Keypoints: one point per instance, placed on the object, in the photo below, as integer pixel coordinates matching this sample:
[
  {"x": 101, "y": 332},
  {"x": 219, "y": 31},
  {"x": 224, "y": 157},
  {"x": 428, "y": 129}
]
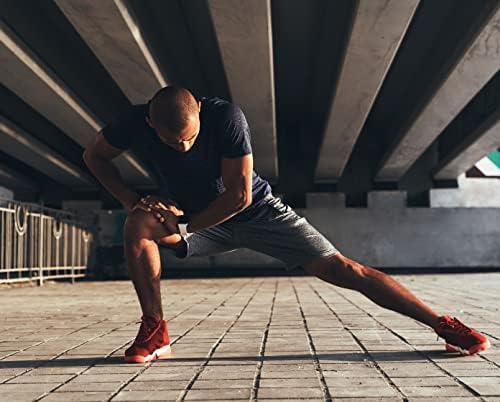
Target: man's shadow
[{"x": 341, "y": 357}]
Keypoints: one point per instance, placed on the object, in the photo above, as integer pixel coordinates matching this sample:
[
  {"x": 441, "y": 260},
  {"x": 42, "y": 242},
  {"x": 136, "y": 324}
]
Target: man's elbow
[
  {"x": 243, "y": 199},
  {"x": 86, "y": 157}
]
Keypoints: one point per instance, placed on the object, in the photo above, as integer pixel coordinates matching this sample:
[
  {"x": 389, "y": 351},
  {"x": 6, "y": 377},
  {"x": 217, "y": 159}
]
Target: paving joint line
[
  {"x": 262, "y": 350},
  {"x": 358, "y": 341},
  {"x": 48, "y": 340},
  {"x": 52, "y": 391},
  {"x": 210, "y": 353},
  {"x": 312, "y": 350},
  {"x": 62, "y": 353},
  {"x": 142, "y": 370},
  {"x": 456, "y": 379}
]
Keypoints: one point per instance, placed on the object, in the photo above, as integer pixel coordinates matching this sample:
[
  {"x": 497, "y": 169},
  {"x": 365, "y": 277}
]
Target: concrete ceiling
[{"x": 340, "y": 95}]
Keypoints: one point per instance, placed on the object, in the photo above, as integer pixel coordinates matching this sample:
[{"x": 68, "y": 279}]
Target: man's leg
[
  {"x": 377, "y": 286},
  {"x": 141, "y": 234}
]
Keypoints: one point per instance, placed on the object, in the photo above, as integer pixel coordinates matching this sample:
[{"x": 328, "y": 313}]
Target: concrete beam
[
  {"x": 15, "y": 180},
  {"x": 19, "y": 144},
  {"x": 25, "y": 74},
  {"x": 378, "y": 30},
  {"x": 111, "y": 30},
  {"x": 480, "y": 62},
  {"x": 464, "y": 159},
  {"x": 243, "y": 31}
]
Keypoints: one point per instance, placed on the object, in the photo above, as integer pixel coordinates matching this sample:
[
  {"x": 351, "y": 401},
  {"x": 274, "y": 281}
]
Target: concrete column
[
  {"x": 25, "y": 74},
  {"x": 111, "y": 30},
  {"x": 243, "y": 32},
  {"x": 15, "y": 180},
  {"x": 19, "y": 144},
  {"x": 378, "y": 30},
  {"x": 481, "y": 60},
  {"x": 465, "y": 158}
]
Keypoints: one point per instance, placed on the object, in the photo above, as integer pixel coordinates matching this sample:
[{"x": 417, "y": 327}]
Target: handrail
[{"x": 39, "y": 243}]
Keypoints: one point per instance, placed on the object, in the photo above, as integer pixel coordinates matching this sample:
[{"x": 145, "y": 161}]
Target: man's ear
[{"x": 199, "y": 106}]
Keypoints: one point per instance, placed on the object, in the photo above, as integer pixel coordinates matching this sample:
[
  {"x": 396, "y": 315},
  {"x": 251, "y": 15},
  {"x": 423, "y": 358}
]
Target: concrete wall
[
  {"x": 387, "y": 234},
  {"x": 471, "y": 193},
  {"x": 6, "y": 193}
]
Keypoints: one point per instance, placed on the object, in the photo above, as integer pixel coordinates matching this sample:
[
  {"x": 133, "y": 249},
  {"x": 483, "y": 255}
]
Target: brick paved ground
[{"x": 248, "y": 338}]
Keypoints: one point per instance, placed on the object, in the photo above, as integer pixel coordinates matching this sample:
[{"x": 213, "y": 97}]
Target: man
[{"x": 214, "y": 202}]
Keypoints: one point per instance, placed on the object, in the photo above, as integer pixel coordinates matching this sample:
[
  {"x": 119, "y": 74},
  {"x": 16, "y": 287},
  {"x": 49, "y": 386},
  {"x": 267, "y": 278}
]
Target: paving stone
[
  {"x": 423, "y": 381},
  {"x": 445, "y": 399},
  {"x": 335, "y": 383},
  {"x": 41, "y": 388},
  {"x": 40, "y": 379},
  {"x": 138, "y": 385},
  {"x": 289, "y": 393},
  {"x": 289, "y": 383},
  {"x": 362, "y": 391},
  {"x": 164, "y": 376},
  {"x": 88, "y": 378},
  {"x": 84, "y": 396},
  {"x": 483, "y": 385},
  {"x": 298, "y": 375},
  {"x": 217, "y": 394},
  {"x": 290, "y": 400},
  {"x": 89, "y": 386},
  {"x": 21, "y": 396},
  {"x": 435, "y": 391},
  {"x": 170, "y": 395}
]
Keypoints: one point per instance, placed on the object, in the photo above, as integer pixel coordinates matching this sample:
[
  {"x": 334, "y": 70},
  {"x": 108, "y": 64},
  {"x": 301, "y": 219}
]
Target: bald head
[
  {"x": 173, "y": 108},
  {"x": 174, "y": 114}
]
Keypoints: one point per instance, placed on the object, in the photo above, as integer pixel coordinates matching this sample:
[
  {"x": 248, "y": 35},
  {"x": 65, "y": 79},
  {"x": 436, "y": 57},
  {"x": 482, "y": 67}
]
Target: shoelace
[{"x": 456, "y": 325}]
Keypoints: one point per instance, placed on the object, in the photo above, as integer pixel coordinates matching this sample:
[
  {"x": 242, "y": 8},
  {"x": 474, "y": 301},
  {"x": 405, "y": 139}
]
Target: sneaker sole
[
  {"x": 471, "y": 351},
  {"x": 157, "y": 354}
]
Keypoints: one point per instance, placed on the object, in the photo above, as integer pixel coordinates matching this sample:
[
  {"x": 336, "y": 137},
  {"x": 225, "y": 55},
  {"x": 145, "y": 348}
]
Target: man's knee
[
  {"x": 138, "y": 226},
  {"x": 338, "y": 270}
]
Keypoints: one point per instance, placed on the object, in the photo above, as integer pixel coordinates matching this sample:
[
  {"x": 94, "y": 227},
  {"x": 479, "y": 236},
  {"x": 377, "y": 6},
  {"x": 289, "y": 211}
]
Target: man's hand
[
  {"x": 152, "y": 203},
  {"x": 167, "y": 219},
  {"x": 165, "y": 211}
]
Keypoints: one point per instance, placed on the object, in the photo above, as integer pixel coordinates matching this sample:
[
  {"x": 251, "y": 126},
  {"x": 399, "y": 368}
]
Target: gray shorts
[{"x": 276, "y": 230}]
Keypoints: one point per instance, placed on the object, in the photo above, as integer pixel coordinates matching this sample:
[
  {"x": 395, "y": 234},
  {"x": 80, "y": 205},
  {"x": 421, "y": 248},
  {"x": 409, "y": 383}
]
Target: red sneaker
[
  {"x": 459, "y": 337},
  {"x": 152, "y": 342}
]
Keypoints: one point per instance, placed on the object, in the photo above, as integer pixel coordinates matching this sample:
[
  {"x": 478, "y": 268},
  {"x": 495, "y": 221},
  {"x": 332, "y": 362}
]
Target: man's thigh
[
  {"x": 207, "y": 242},
  {"x": 285, "y": 235}
]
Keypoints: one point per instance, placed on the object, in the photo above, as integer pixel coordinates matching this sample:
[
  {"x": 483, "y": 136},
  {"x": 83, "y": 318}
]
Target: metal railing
[{"x": 39, "y": 243}]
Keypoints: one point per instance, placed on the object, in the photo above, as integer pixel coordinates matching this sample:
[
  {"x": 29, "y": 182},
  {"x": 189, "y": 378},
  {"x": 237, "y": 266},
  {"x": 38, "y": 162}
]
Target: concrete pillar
[
  {"x": 481, "y": 60},
  {"x": 114, "y": 35},
  {"x": 378, "y": 30},
  {"x": 465, "y": 158},
  {"x": 19, "y": 144},
  {"x": 25, "y": 74},
  {"x": 243, "y": 32}
]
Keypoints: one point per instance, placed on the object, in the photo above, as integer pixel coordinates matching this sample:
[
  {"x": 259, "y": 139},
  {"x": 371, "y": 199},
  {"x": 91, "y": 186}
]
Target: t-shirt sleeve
[
  {"x": 235, "y": 133},
  {"x": 122, "y": 130}
]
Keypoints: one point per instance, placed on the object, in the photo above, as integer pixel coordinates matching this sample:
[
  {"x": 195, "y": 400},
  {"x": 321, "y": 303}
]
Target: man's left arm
[{"x": 237, "y": 178}]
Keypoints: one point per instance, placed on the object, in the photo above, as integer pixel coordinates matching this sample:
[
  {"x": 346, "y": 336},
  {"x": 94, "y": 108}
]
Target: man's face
[{"x": 183, "y": 141}]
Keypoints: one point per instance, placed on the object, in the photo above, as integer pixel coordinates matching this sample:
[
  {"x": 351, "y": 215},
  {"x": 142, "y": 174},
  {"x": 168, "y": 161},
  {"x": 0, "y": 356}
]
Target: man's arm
[
  {"x": 237, "y": 178},
  {"x": 98, "y": 156}
]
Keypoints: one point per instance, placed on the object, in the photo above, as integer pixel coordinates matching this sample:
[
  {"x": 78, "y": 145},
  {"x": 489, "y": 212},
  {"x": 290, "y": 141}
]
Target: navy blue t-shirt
[{"x": 192, "y": 179}]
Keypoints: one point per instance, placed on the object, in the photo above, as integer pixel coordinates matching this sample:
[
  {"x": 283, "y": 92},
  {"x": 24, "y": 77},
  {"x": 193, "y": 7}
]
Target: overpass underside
[{"x": 341, "y": 96}]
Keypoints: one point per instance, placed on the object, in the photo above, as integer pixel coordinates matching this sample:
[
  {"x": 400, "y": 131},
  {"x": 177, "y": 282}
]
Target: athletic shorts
[{"x": 275, "y": 229}]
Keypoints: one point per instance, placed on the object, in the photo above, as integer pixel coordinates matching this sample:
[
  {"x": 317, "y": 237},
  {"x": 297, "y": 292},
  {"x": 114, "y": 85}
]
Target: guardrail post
[{"x": 40, "y": 247}]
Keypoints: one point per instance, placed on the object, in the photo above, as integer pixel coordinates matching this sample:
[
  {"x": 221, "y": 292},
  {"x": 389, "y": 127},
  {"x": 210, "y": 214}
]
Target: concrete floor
[{"x": 246, "y": 338}]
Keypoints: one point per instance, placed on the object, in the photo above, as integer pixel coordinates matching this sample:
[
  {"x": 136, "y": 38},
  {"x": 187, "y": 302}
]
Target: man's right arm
[{"x": 98, "y": 157}]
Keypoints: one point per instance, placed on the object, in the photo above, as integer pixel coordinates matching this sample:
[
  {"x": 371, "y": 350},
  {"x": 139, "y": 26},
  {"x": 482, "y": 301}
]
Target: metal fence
[{"x": 38, "y": 243}]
